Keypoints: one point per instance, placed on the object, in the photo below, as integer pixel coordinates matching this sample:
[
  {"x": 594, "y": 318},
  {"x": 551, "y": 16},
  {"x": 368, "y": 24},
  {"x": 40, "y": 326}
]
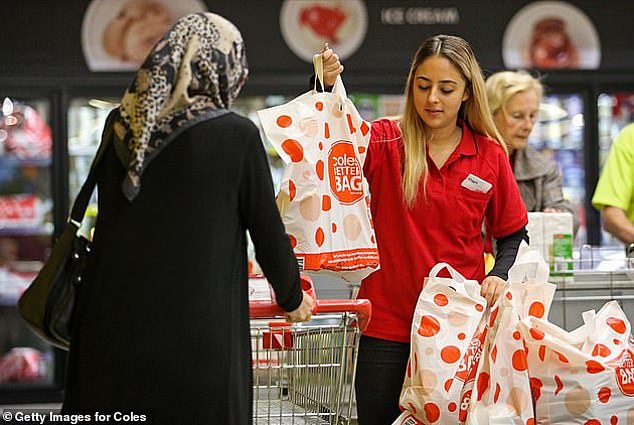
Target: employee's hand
[
  {"x": 332, "y": 66},
  {"x": 553, "y": 210},
  {"x": 491, "y": 289},
  {"x": 303, "y": 312}
]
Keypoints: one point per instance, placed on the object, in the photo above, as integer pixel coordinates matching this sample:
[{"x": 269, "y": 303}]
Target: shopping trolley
[{"x": 304, "y": 373}]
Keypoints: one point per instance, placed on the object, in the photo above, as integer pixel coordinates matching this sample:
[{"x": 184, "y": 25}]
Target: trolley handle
[{"x": 361, "y": 307}]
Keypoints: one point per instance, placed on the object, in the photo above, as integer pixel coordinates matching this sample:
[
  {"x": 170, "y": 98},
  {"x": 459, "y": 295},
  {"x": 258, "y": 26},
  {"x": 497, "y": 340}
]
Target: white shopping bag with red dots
[
  {"x": 323, "y": 197},
  {"x": 446, "y": 330},
  {"x": 502, "y": 392},
  {"x": 585, "y": 376}
]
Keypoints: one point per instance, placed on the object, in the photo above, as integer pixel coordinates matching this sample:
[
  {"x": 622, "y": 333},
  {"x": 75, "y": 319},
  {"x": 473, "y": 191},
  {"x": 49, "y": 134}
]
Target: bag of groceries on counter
[
  {"x": 502, "y": 394},
  {"x": 323, "y": 198},
  {"x": 585, "y": 376},
  {"x": 448, "y": 329}
]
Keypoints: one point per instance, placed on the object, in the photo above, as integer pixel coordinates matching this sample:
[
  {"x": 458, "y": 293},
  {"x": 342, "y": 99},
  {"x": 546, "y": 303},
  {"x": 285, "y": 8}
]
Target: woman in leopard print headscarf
[
  {"x": 161, "y": 324},
  {"x": 193, "y": 73}
]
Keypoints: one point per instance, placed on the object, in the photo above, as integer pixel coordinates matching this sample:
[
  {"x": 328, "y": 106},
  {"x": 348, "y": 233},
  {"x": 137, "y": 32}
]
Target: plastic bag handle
[
  {"x": 455, "y": 276},
  {"x": 529, "y": 263},
  {"x": 340, "y": 90},
  {"x": 318, "y": 64},
  {"x": 337, "y": 88}
]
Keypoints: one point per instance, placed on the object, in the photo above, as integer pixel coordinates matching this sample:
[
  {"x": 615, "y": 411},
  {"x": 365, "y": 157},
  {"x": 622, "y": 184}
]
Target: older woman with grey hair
[{"x": 514, "y": 98}]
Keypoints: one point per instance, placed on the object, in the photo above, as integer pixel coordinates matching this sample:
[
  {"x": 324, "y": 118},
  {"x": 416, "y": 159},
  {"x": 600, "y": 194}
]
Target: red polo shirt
[{"x": 446, "y": 226}]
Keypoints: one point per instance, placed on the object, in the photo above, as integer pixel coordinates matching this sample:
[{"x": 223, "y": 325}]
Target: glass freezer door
[
  {"x": 86, "y": 118},
  {"x": 559, "y": 134},
  {"x": 26, "y": 228}
]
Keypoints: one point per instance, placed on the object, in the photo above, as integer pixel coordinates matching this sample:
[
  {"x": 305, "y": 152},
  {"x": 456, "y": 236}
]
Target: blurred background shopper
[
  {"x": 514, "y": 98},
  {"x": 162, "y": 321},
  {"x": 614, "y": 194}
]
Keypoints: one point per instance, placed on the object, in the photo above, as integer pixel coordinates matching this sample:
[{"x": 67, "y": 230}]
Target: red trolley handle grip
[{"x": 361, "y": 307}]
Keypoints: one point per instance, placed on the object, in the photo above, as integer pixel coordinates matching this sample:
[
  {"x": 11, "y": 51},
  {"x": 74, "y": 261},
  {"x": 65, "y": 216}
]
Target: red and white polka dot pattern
[
  {"x": 491, "y": 383},
  {"x": 503, "y": 388},
  {"x": 502, "y": 393},
  {"x": 323, "y": 197},
  {"x": 585, "y": 376},
  {"x": 446, "y": 320}
]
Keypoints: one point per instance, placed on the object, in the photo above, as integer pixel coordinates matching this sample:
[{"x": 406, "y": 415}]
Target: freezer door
[
  {"x": 26, "y": 228},
  {"x": 559, "y": 133}
]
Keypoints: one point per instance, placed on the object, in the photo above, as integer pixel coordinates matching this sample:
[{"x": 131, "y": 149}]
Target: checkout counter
[{"x": 599, "y": 275}]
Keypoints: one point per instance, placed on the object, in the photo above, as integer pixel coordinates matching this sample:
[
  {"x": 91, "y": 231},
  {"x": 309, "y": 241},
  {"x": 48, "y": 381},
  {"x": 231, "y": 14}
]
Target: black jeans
[{"x": 380, "y": 371}]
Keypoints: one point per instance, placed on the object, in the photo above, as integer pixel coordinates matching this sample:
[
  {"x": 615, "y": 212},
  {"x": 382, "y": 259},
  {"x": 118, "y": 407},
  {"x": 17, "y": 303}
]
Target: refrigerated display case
[
  {"x": 86, "y": 118},
  {"x": 559, "y": 134},
  {"x": 39, "y": 179},
  {"x": 26, "y": 229}
]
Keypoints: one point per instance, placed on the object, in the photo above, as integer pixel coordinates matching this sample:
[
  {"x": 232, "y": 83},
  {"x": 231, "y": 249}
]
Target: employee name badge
[{"x": 476, "y": 184}]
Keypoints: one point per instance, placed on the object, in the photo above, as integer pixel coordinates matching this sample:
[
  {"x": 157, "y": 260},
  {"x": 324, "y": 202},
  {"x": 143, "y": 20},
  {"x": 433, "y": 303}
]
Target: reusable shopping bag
[
  {"x": 444, "y": 349},
  {"x": 502, "y": 394},
  {"x": 323, "y": 197},
  {"x": 585, "y": 376}
]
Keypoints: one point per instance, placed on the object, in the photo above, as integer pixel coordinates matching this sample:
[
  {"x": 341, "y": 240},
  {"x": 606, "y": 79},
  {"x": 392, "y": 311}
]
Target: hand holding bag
[
  {"x": 503, "y": 393},
  {"x": 47, "y": 304}
]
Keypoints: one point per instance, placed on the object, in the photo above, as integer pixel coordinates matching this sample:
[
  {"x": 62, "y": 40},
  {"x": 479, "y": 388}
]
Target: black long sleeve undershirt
[{"x": 507, "y": 248}]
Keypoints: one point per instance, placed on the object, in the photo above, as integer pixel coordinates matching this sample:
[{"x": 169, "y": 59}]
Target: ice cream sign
[
  {"x": 117, "y": 35},
  {"x": 306, "y": 26}
]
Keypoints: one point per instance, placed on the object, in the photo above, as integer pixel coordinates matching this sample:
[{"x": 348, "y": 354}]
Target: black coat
[{"x": 162, "y": 321}]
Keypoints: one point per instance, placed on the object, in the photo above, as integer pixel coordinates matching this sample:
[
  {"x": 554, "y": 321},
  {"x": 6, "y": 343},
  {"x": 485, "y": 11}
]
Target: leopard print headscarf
[{"x": 192, "y": 74}]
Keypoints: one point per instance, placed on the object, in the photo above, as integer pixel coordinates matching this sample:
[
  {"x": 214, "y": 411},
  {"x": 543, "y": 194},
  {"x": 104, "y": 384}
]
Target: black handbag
[{"x": 47, "y": 304}]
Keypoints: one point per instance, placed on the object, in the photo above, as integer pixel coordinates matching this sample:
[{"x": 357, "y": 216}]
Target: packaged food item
[
  {"x": 22, "y": 364},
  {"x": 25, "y": 134},
  {"x": 552, "y": 235}
]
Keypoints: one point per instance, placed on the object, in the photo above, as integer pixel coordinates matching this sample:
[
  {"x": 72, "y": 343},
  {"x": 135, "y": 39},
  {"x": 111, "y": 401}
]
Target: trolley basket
[{"x": 304, "y": 373}]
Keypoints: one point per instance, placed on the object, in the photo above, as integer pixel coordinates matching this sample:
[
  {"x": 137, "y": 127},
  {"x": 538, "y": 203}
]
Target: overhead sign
[
  {"x": 117, "y": 35},
  {"x": 306, "y": 26}
]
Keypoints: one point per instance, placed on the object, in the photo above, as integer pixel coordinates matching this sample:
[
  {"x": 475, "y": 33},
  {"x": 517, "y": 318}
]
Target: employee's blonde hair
[
  {"x": 474, "y": 111},
  {"x": 502, "y": 86}
]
